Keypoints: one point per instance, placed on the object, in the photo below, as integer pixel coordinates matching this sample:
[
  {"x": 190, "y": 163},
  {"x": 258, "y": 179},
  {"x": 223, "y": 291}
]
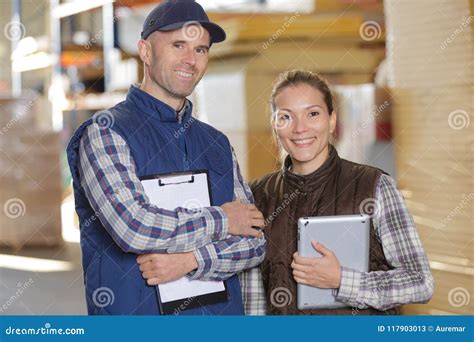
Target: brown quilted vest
[{"x": 337, "y": 188}]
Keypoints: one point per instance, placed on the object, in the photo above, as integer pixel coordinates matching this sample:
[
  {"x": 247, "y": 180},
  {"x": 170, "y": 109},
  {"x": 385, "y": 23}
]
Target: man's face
[{"x": 178, "y": 60}]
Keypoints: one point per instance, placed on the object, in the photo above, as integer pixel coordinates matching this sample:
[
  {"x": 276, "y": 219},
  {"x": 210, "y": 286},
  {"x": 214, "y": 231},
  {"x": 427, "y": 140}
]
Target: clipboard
[{"x": 190, "y": 189}]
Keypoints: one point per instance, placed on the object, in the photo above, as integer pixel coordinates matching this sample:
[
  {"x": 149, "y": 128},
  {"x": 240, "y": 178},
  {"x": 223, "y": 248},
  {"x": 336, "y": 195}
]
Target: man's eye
[
  {"x": 201, "y": 50},
  {"x": 177, "y": 45}
]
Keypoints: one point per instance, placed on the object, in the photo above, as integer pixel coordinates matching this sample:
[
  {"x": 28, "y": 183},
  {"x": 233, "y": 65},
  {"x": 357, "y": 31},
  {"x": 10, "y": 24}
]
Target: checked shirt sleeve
[
  {"x": 410, "y": 281},
  {"x": 108, "y": 176},
  {"x": 222, "y": 259}
]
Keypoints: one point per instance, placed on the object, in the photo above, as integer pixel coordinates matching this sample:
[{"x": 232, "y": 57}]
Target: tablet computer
[{"x": 348, "y": 236}]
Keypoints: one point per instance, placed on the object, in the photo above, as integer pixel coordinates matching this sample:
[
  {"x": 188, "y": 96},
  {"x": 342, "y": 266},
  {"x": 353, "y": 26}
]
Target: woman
[{"x": 314, "y": 181}]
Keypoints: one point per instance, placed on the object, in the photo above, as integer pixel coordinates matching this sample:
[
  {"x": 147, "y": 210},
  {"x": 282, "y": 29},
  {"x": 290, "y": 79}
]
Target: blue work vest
[{"x": 158, "y": 144}]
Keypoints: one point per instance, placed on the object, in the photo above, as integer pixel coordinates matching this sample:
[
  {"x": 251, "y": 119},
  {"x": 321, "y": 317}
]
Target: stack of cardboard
[
  {"x": 30, "y": 176},
  {"x": 258, "y": 49},
  {"x": 430, "y": 54}
]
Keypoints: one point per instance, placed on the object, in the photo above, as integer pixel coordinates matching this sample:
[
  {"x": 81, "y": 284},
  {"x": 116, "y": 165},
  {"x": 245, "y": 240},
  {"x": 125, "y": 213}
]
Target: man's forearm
[
  {"x": 222, "y": 259},
  {"x": 136, "y": 225}
]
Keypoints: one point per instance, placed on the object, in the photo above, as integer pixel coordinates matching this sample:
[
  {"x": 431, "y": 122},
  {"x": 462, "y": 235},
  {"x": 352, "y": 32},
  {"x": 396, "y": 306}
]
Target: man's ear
[{"x": 144, "y": 51}]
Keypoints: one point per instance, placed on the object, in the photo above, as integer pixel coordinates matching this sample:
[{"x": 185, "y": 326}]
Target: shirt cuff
[
  {"x": 206, "y": 258},
  {"x": 350, "y": 284},
  {"x": 217, "y": 223}
]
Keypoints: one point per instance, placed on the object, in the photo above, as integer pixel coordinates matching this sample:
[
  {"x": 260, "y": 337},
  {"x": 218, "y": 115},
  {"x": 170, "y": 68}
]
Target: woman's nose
[{"x": 299, "y": 125}]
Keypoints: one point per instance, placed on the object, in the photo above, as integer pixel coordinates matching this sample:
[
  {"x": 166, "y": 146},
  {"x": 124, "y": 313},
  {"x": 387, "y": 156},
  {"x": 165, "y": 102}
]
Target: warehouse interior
[{"x": 402, "y": 73}]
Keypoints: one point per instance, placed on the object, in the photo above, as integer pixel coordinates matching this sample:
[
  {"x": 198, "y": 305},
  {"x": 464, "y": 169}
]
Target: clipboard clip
[{"x": 161, "y": 183}]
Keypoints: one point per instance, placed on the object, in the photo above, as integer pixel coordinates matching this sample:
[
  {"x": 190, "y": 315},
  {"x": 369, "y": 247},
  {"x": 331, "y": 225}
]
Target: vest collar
[
  {"x": 312, "y": 181},
  {"x": 152, "y": 106}
]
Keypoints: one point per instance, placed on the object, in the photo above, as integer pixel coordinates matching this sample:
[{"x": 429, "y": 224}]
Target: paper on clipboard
[{"x": 187, "y": 191}]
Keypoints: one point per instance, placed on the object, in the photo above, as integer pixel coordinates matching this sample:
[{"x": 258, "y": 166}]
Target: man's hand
[
  {"x": 163, "y": 268},
  {"x": 324, "y": 272},
  {"x": 242, "y": 217}
]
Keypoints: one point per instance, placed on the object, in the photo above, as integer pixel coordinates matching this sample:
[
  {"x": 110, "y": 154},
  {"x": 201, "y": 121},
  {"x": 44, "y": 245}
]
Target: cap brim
[{"x": 216, "y": 32}]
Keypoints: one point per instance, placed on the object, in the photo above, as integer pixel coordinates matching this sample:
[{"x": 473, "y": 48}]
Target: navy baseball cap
[{"x": 174, "y": 14}]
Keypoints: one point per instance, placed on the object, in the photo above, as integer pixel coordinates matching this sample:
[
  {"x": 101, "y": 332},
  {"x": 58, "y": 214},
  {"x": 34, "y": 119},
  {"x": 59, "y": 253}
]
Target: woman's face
[{"x": 303, "y": 126}]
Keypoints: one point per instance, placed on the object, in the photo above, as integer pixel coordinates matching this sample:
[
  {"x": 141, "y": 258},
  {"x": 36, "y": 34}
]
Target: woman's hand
[{"x": 323, "y": 272}]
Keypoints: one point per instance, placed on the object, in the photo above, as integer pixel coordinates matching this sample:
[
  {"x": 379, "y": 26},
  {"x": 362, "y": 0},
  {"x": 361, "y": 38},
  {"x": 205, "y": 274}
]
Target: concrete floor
[{"x": 43, "y": 293}]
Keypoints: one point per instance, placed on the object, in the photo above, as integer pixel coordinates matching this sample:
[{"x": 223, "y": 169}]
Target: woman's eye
[
  {"x": 284, "y": 117},
  {"x": 314, "y": 114}
]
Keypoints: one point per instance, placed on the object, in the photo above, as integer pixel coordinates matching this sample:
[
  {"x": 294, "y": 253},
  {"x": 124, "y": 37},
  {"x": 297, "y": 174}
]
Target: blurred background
[{"x": 402, "y": 73}]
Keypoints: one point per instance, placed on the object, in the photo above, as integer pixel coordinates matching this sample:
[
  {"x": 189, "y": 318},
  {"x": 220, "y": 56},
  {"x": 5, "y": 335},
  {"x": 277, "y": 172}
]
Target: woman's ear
[{"x": 332, "y": 122}]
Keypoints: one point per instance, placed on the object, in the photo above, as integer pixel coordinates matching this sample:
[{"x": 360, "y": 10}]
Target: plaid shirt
[
  {"x": 409, "y": 282},
  {"x": 109, "y": 179}
]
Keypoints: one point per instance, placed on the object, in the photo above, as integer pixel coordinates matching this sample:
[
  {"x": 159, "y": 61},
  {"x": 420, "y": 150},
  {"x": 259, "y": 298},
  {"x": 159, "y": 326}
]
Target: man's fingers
[
  {"x": 153, "y": 281},
  {"x": 149, "y": 274},
  {"x": 250, "y": 207},
  {"x": 148, "y": 266},
  {"x": 144, "y": 258},
  {"x": 257, "y": 215},
  {"x": 253, "y": 232},
  {"x": 258, "y": 223}
]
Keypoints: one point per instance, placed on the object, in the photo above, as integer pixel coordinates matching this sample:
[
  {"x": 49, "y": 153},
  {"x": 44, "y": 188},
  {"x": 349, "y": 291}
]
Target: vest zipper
[{"x": 185, "y": 158}]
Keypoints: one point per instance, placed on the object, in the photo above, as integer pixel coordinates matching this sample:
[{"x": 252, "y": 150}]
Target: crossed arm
[{"x": 219, "y": 248}]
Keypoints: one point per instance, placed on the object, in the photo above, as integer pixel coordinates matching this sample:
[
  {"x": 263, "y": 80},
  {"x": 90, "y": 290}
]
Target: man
[{"x": 153, "y": 132}]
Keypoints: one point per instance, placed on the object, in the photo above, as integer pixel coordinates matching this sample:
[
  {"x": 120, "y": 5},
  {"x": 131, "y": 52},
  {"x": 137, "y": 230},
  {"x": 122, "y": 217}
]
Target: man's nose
[{"x": 189, "y": 57}]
